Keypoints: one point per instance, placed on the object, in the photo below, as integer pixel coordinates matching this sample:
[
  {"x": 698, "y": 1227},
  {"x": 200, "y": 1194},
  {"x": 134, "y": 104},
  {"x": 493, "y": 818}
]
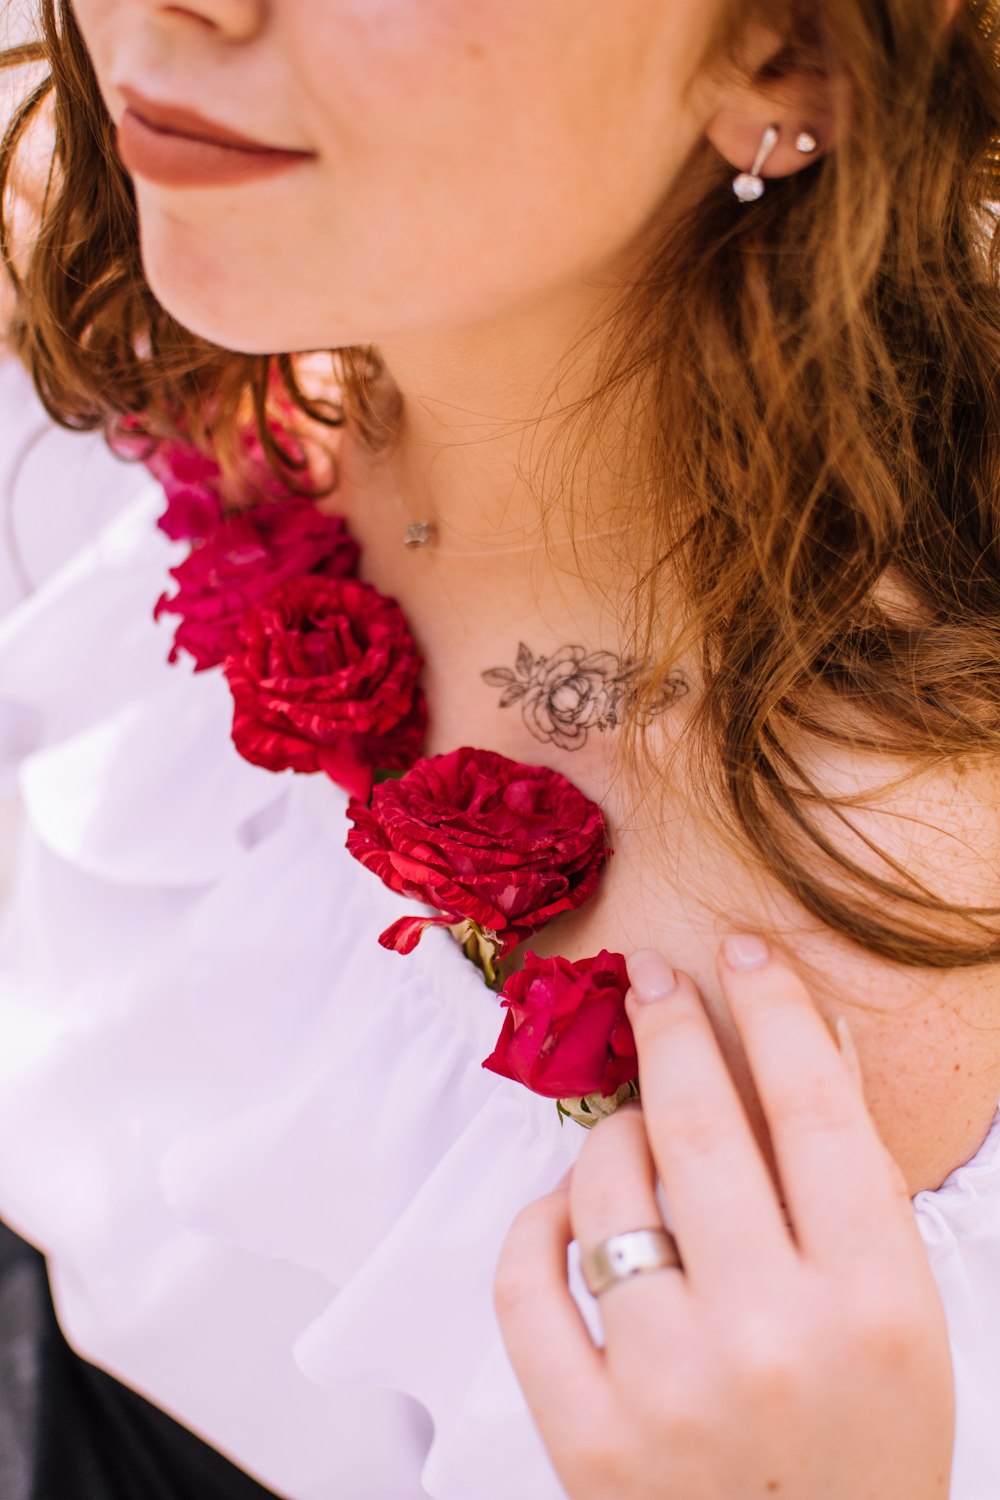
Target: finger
[
  {"x": 833, "y": 1166},
  {"x": 723, "y": 1205},
  {"x": 613, "y": 1191},
  {"x": 559, "y": 1369}
]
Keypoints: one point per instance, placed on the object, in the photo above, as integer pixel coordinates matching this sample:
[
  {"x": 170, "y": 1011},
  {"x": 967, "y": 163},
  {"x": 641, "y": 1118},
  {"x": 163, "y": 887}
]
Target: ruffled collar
[{"x": 967, "y": 1204}]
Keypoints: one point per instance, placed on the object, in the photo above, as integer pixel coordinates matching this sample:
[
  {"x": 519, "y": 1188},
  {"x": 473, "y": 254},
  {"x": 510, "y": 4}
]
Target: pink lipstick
[{"x": 179, "y": 148}]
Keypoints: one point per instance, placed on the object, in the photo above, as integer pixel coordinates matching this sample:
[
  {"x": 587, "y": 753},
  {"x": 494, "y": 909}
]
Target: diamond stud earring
[
  {"x": 749, "y": 186},
  {"x": 806, "y": 143}
]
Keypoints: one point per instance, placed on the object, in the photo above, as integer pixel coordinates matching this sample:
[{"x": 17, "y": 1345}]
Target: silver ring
[{"x": 629, "y": 1254}]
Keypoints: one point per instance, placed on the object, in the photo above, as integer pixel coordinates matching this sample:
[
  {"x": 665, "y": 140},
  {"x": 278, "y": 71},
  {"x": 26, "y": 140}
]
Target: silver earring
[
  {"x": 749, "y": 186},
  {"x": 806, "y": 143},
  {"x": 419, "y": 534}
]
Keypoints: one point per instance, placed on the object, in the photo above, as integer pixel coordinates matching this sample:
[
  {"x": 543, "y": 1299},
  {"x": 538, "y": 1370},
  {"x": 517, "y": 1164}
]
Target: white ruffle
[
  {"x": 269, "y": 1170},
  {"x": 57, "y": 488},
  {"x": 960, "y": 1226},
  {"x": 261, "y": 1152}
]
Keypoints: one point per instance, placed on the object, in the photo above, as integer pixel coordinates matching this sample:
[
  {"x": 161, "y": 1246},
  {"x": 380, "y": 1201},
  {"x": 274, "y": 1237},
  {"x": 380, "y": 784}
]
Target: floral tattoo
[{"x": 566, "y": 695}]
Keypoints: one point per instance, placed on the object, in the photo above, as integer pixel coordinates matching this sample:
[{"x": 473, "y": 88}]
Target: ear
[
  {"x": 772, "y": 87},
  {"x": 774, "y": 84}
]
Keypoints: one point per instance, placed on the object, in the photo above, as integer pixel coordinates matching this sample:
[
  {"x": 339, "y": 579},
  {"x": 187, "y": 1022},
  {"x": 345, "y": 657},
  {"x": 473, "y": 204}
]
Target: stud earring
[
  {"x": 806, "y": 143},
  {"x": 749, "y": 186}
]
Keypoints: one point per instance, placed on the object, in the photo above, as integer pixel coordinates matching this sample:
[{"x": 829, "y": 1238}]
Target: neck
[{"x": 486, "y": 430}]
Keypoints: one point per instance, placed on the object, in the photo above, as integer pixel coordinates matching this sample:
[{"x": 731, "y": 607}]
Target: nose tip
[{"x": 236, "y": 20}]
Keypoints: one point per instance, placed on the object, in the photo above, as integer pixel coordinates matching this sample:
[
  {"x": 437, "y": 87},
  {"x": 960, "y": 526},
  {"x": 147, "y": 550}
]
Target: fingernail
[
  {"x": 744, "y": 950},
  {"x": 849, "y": 1052},
  {"x": 651, "y": 976}
]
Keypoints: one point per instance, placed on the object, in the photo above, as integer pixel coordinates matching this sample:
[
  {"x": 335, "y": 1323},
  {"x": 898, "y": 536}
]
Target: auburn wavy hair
[{"x": 819, "y": 413}]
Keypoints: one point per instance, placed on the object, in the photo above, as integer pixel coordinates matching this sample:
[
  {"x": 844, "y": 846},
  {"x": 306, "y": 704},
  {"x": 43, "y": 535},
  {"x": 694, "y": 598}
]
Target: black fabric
[{"x": 70, "y": 1432}]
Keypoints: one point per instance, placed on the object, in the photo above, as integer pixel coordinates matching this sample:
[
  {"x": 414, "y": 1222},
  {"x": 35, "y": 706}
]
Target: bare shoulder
[
  {"x": 929, "y": 1034},
  {"x": 935, "y": 827}
]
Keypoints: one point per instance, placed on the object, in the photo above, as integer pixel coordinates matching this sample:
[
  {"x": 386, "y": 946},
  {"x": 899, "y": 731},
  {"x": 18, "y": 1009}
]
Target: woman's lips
[{"x": 175, "y": 160}]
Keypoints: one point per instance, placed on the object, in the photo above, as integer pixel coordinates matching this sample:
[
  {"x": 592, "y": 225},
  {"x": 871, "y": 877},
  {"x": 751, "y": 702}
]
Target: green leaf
[
  {"x": 384, "y": 775},
  {"x": 481, "y": 947},
  {"x": 593, "y": 1107}
]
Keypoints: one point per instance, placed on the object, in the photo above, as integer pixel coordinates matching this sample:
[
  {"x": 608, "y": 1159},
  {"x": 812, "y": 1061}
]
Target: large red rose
[
  {"x": 242, "y": 559},
  {"x": 566, "y": 1033},
  {"x": 482, "y": 839},
  {"x": 327, "y": 679}
]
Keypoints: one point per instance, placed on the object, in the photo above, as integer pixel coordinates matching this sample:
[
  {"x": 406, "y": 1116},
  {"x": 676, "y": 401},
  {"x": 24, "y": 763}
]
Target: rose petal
[{"x": 404, "y": 934}]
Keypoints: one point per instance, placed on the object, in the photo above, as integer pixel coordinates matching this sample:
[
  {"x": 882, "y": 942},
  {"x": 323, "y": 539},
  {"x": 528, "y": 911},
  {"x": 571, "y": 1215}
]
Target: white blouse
[{"x": 261, "y": 1154}]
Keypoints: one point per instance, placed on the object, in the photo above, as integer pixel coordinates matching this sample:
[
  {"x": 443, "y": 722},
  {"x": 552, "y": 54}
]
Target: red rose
[
  {"x": 240, "y": 561},
  {"x": 327, "y": 679},
  {"x": 192, "y": 478},
  {"x": 483, "y": 839},
  {"x": 192, "y": 513},
  {"x": 566, "y": 1034}
]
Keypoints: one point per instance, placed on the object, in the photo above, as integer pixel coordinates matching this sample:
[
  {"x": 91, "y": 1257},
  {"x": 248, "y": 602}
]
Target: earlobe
[
  {"x": 772, "y": 136},
  {"x": 773, "y": 90},
  {"x": 749, "y": 186}
]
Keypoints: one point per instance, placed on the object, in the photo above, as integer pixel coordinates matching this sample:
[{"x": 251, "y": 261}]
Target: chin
[
  {"x": 212, "y": 322},
  {"x": 209, "y": 303}
]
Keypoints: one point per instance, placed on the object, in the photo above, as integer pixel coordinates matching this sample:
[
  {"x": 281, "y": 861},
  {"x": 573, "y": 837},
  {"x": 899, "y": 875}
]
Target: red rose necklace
[{"x": 325, "y": 677}]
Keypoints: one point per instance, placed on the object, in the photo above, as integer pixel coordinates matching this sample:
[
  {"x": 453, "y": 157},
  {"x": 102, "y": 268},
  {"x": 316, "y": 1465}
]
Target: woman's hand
[{"x": 806, "y": 1363}]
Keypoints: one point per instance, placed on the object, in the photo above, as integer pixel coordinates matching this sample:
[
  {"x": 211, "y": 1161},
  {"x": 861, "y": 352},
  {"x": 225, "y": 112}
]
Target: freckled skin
[
  {"x": 482, "y": 172},
  {"x": 929, "y": 1041},
  {"x": 439, "y": 127}
]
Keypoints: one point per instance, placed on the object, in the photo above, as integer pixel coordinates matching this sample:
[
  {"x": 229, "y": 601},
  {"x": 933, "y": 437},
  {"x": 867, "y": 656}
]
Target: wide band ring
[{"x": 629, "y": 1254}]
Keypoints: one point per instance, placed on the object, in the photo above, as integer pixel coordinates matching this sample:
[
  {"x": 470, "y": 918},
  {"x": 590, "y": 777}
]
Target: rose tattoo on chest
[{"x": 566, "y": 695}]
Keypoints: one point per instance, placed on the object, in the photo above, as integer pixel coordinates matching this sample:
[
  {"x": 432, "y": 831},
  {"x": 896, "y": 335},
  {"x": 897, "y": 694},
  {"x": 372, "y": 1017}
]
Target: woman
[{"x": 666, "y": 347}]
